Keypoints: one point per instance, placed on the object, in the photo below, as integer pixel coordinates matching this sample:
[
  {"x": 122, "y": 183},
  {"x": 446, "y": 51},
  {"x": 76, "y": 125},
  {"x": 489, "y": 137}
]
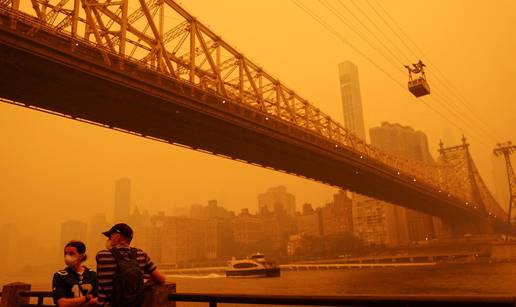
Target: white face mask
[
  {"x": 108, "y": 244},
  {"x": 72, "y": 261}
]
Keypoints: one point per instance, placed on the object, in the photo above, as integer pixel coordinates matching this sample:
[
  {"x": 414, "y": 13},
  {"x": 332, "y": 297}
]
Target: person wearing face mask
[
  {"x": 122, "y": 269},
  {"x": 76, "y": 285}
]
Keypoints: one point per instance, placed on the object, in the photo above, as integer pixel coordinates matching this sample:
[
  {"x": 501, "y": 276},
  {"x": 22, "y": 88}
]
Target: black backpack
[{"x": 128, "y": 280}]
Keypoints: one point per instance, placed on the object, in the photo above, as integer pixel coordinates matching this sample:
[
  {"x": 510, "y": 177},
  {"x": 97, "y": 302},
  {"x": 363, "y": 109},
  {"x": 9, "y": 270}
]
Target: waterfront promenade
[{"x": 492, "y": 282}]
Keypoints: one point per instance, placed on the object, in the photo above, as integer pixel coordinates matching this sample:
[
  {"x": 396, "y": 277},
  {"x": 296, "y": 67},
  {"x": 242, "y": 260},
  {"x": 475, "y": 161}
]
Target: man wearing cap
[{"x": 119, "y": 238}]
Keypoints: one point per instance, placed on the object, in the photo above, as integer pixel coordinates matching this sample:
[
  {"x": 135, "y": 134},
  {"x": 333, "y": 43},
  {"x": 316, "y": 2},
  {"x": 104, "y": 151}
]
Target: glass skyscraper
[{"x": 351, "y": 99}]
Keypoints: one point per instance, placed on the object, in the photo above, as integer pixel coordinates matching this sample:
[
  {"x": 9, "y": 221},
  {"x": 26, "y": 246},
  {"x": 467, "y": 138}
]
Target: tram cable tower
[{"x": 506, "y": 149}]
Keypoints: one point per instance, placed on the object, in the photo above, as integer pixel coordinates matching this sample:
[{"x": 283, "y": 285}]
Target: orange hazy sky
[{"x": 53, "y": 169}]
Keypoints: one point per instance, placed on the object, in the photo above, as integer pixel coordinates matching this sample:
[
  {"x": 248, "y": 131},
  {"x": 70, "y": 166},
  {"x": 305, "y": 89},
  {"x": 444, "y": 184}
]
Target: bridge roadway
[{"x": 50, "y": 71}]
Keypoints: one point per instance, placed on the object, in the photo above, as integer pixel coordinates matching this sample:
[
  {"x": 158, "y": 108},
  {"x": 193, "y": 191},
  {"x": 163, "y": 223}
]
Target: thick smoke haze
[{"x": 53, "y": 169}]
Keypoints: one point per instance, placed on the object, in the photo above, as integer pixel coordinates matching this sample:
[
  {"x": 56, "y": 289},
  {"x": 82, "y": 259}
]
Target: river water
[{"x": 456, "y": 279}]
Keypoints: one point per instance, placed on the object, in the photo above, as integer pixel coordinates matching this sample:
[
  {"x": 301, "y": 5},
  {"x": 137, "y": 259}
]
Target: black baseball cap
[{"x": 121, "y": 228}]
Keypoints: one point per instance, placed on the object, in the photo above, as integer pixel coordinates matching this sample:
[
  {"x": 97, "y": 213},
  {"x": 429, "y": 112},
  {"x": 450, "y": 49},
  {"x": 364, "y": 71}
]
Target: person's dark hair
[{"x": 79, "y": 246}]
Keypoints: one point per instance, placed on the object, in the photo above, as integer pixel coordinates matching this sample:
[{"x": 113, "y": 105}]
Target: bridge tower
[
  {"x": 459, "y": 161},
  {"x": 460, "y": 157},
  {"x": 506, "y": 149}
]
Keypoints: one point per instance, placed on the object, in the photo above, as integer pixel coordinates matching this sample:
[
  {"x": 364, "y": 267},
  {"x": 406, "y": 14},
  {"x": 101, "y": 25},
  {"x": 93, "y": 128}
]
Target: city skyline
[
  {"x": 70, "y": 173},
  {"x": 350, "y": 149},
  {"x": 88, "y": 228},
  {"x": 26, "y": 126},
  {"x": 203, "y": 221}
]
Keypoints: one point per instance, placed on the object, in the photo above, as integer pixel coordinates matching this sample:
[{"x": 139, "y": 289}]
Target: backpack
[{"x": 128, "y": 280}]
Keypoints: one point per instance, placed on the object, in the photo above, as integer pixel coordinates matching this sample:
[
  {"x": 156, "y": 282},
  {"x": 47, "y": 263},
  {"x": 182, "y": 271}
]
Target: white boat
[{"x": 255, "y": 265}]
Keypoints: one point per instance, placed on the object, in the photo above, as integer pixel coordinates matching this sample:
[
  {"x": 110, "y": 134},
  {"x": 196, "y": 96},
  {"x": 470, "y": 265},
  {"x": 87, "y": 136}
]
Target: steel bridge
[{"x": 123, "y": 67}]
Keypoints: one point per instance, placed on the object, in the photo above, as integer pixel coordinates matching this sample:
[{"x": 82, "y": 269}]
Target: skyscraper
[
  {"x": 309, "y": 221},
  {"x": 337, "y": 216},
  {"x": 276, "y": 198},
  {"x": 219, "y": 239},
  {"x": 378, "y": 223},
  {"x": 211, "y": 211},
  {"x": 351, "y": 99},
  {"x": 404, "y": 141},
  {"x": 122, "y": 200},
  {"x": 247, "y": 228},
  {"x": 182, "y": 239}
]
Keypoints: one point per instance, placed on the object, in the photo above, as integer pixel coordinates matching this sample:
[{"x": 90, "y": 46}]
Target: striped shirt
[{"x": 106, "y": 268}]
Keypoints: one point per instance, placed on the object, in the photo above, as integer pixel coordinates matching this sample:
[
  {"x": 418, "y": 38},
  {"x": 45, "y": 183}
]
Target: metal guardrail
[
  {"x": 354, "y": 300},
  {"x": 309, "y": 300}
]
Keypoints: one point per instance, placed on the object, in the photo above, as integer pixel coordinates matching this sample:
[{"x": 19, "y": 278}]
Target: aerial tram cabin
[{"x": 417, "y": 85}]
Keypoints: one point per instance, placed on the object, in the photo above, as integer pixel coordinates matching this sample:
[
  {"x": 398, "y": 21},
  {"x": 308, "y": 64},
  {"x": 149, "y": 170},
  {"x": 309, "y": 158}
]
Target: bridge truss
[{"x": 163, "y": 37}]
